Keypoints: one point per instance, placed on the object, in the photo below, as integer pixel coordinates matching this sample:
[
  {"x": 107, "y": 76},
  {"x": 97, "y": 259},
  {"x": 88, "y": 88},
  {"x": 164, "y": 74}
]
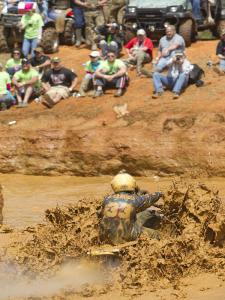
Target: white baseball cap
[
  {"x": 141, "y": 32},
  {"x": 95, "y": 54}
]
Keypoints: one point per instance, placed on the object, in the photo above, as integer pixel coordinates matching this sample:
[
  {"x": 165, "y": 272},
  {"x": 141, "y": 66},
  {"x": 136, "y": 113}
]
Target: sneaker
[
  {"x": 19, "y": 105},
  {"x": 78, "y": 44},
  {"x": 97, "y": 94},
  {"x": 176, "y": 96},
  {"x": 94, "y": 47},
  {"x": 157, "y": 95},
  {"x": 146, "y": 73},
  {"x": 118, "y": 93},
  {"x": 24, "y": 104}
]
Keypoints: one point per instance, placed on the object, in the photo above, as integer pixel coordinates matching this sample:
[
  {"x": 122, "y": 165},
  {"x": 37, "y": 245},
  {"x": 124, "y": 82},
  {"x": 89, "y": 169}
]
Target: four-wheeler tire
[
  {"x": 220, "y": 27},
  {"x": 50, "y": 40},
  {"x": 186, "y": 31},
  {"x": 69, "y": 37},
  {"x": 3, "y": 42}
]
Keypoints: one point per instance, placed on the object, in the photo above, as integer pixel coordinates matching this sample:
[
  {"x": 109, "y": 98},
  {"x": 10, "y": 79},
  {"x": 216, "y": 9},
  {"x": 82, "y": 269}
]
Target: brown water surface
[{"x": 27, "y": 197}]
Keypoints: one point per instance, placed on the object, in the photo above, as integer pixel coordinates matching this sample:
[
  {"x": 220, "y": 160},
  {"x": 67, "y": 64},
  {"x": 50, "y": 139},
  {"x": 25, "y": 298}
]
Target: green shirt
[
  {"x": 22, "y": 76},
  {"x": 111, "y": 68},
  {"x": 4, "y": 80},
  {"x": 11, "y": 63},
  {"x": 32, "y": 25}
]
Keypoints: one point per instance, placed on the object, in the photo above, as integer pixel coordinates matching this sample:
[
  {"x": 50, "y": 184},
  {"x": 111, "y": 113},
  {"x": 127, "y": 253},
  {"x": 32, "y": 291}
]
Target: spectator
[
  {"x": 168, "y": 45},
  {"x": 177, "y": 78},
  {"x": 14, "y": 63},
  {"x": 109, "y": 39},
  {"x": 196, "y": 9},
  {"x": 31, "y": 23},
  {"x": 58, "y": 83},
  {"x": 40, "y": 61},
  {"x": 139, "y": 50},
  {"x": 220, "y": 52},
  {"x": 6, "y": 98},
  {"x": 78, "y": 9},
  {"x": 111, "y": 72},
  {"x": 90, "y": 68},
  {"x": 26, "y": 83}
]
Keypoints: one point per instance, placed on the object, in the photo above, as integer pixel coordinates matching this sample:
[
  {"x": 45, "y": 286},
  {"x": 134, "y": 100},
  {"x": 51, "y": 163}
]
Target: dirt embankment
[{"x": 84, "y": 137}]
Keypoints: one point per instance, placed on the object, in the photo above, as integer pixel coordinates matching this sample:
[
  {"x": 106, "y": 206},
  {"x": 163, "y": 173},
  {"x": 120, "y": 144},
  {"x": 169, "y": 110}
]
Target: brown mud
[
  {"x": 192, "y": 243},
  {"x": 84, "y": 137}
]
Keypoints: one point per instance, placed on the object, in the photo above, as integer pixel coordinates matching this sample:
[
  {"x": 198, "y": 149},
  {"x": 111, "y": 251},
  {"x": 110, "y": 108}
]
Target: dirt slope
[{"x": 84, "y": 137}]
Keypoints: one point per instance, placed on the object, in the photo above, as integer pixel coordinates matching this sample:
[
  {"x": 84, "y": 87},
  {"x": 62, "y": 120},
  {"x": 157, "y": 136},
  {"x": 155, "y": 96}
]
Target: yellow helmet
[{"x": 123, "y": 183}]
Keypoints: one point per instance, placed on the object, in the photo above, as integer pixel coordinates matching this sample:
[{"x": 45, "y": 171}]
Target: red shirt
[{"x": 146, "y": 43}]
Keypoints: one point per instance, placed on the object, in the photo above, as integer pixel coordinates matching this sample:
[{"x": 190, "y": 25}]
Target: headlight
[
  {"x": 173, "y": 9},
  {"x": 132, "y": 10},
  {"x": 223, "y": 11},
  {"x": 134, "y": 26}
]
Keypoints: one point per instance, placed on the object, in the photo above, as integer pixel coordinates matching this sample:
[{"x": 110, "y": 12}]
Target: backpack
[{"x": 195, "y": 75}]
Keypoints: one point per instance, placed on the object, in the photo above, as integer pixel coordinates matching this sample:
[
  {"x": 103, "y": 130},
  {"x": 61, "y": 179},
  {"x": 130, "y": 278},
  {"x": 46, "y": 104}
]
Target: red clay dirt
[{"x": 84, "y": 137}]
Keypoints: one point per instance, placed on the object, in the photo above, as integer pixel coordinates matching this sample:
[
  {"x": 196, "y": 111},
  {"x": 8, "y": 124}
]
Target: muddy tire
[
  {"x": 50, "y": 40},
  {"x": 3, "y": 42},
  {"x": 69, "y": 37},
  {"x": 186, "y": 31},
  {"x": 220, "y": 27}
]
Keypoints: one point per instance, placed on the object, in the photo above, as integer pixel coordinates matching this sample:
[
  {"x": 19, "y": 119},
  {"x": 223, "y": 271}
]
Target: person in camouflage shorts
[
  {"x": 124, "y": 213},
  {"x": 93, "y": 17},
  {"x": 115, "y": 7}
]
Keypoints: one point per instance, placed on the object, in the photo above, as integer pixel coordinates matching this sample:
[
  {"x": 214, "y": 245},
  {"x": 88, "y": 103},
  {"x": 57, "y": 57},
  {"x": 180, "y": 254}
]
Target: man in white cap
[
  {"x": 139, "y": 50},
  {"x": 90, "y": 68}
]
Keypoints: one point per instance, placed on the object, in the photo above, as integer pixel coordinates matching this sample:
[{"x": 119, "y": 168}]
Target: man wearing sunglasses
[{"x": 112, "y": 72}]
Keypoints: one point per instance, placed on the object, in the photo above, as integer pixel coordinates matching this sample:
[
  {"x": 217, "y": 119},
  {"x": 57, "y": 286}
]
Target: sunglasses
[
  {"x": 110, "y": 55},
  {"x": 16, "y": 52}
]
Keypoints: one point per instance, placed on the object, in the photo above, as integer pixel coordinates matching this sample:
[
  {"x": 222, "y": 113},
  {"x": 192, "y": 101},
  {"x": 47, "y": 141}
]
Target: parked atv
[
  {"x": 154, "y": 16},
  {"x": 58, "y": 28}
]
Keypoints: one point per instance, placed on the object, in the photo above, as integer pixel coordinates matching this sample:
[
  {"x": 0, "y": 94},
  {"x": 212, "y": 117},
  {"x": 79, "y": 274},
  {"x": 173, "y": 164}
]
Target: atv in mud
[
  {"x": 58, "y": 27},
  {"x": 154, "y": 16}
]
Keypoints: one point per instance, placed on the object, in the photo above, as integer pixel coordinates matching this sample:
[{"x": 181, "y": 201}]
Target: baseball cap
[
  {"x": 179, "y": 53},
  {"x": 140, "y": 32},
  {"x": 95, "y": 54},
  {"x": 114, "y": 25},
  {"x": 25, "y": 61},
  {"x": 38, "y": 49},
  {"x": 56, "y": 60}
]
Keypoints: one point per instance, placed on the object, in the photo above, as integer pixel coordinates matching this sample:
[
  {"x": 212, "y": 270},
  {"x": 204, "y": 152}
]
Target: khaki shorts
[{"x": 54, "y": 91}]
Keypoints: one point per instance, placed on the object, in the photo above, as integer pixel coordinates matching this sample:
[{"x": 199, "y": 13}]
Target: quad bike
[
  {"x": 58, "y": 28},
  {"x": 154, "y": 16}
]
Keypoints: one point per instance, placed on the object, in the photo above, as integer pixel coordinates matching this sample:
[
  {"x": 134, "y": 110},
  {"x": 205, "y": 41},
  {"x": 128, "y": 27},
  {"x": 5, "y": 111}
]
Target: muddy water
[{"x": 26, "y": 197}]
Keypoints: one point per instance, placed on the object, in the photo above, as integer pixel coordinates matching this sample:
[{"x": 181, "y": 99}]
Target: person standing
[
  {"x": 78, "y": 9},
  {"x": 32, "y": 24},
  {"x": 94, "y": 17}
]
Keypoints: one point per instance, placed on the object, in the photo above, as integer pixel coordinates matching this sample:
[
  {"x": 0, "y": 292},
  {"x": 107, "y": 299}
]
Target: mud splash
[{"x": 193, "y": 236}]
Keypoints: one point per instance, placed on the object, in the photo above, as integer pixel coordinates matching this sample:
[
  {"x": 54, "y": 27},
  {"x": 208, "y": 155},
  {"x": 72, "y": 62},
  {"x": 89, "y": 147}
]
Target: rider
[{"x": 124, "y": 213}]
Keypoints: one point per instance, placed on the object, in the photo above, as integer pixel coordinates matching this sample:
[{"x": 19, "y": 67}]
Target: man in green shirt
[
  {"x": 6, "y": 98},
  {"x": 112, "y": 72},
  {"x": 26, "y": 82},
  {"x": 32, "y": 24}
]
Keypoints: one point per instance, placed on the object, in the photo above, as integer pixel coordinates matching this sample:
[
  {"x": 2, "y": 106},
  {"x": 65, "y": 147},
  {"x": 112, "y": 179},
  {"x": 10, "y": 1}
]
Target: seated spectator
[
  {"x": 58, "y": 83},
  {"x": 6, "y": 98},
  {"x": 168, "y": 45},
  {"x": 177, "y": 77},
  {"x": 31, "y": 23},
  {"x": 109, "y": 38},
  {"x": 40, "y": 61},
  {"x": 112, "y": 72},
  {"x": 14, "y": 63},
  {"x": 90, "y": 68},
  {"x": 26, "y": 83},
  {"x": 220, "y": 52},
  {"x": 139, "y": 50}
]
